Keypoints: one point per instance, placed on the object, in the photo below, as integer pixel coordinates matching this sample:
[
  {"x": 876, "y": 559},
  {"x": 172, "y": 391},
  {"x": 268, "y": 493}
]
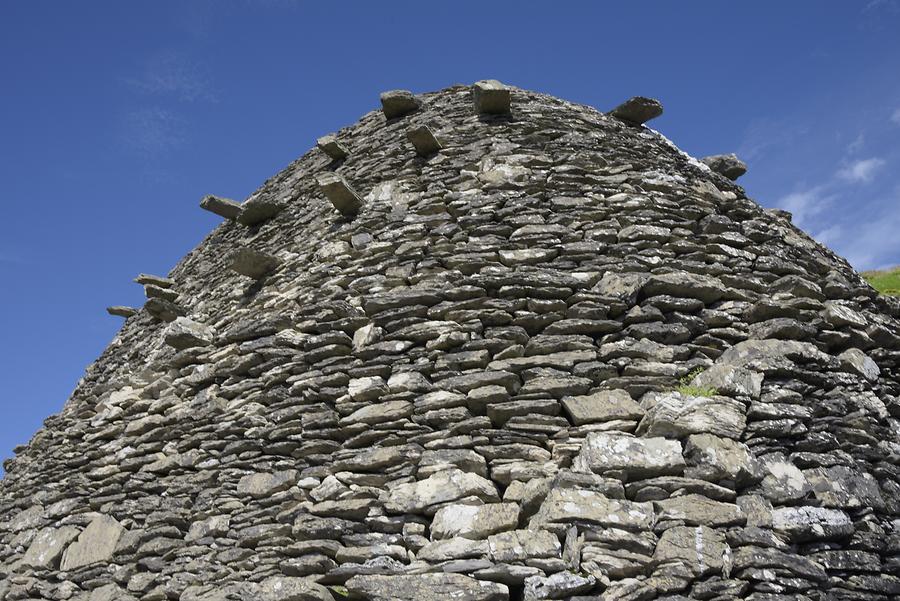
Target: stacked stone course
[{"x": 454, "y": 352}]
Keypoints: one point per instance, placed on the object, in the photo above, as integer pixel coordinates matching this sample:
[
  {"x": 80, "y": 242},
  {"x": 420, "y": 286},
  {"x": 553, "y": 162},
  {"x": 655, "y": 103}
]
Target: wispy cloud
[
  {"x": 764, "y": 133},
  {"x": 857, "y": 144},
  {"x": 152, "y": 130},
  {"x": 895, "y": 116},
  {"x": 805, "y": 204},
  {"x": 172, "y": 74},
  {"x": 862, "y": 171}
]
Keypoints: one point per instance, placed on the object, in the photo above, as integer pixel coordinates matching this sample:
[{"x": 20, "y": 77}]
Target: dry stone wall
[{"x": 497, "y": 346}]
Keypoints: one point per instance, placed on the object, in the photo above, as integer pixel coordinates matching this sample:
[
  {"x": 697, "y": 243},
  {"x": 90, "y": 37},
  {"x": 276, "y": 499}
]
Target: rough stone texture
[
  {"x": 122, "y": 311},
  {"x": 186, "y": 333},
  {"x": 423, "y": 140},
  {"x": 399, "y": 103},
  {"x": 253, "y": 263},
  {"x": 489, "y": 348},
  {"x": 638, "y": 110},
  {"x": 223, "y": 207},
  {"x": 332, "y": 148},
  {"x": 340, "y": 194},
  {"x": 726, "y": 164},
  {"x": 491, "y": 97}
]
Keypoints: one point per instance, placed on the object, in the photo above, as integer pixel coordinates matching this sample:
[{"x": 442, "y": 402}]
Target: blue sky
[{"x": 117, "y": 117}]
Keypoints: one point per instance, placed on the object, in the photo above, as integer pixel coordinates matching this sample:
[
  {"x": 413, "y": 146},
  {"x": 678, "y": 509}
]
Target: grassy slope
[{"x": 886, "y": 281}]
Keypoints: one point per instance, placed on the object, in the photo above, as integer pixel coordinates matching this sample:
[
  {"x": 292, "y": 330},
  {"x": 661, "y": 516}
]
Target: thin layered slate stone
[
  {"x": 426, "y": 586},
  {"x": 47, "y": 547},
  {"x": 602, "y": 406},
  {"x": 332, "y": 148},
  {"x": 726, "y": 164},
  {"x": 339, "y": 193},
  {"x": 446, "y": 486},
  {"x": 676, "y": 415}
]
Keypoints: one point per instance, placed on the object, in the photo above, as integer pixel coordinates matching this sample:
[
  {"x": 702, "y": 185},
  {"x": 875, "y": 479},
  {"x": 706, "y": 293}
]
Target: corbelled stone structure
[{"x": 483, "y": 345}]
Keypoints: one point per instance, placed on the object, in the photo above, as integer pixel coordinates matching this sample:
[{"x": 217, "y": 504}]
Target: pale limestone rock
[
  {"x": 95, "y": 544},
  {"x": 422, "y": 587},
  {"x": 471, "y": 521},
  {"x": 263, "y": 485},
  {"x": 47, "y": 547},
  {"x": 522, "y": 545},
  {"x": 574, "y": 505},
  {"x": 442, "y": 487},
  {"x": 677, "y": 415},
  {"x": 700, "y": 548},
  {"x": 602, "y": 406},
  {"x": 636, "y": 457},
  {"x": 491, "y": 97}
]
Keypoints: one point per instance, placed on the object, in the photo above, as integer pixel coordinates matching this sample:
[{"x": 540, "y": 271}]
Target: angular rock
[
  {"x": 697, "y": 510},
  {"x": 253, "y": 263},
  {"x": 331, "y": 147},
  {"x": 264, "y": 485},
  {"x": 855, "y": 361},
  {"x": 557, "y": 586},
  {"x": 186, "y": 333},
  {"x": 47, "y": 547},
  {"x": 491, "y": 97},
  {"x": 340, "y": 194},
  {"x": 602, "y": 406},
  {"x": 96, "y": 543},
  {"x": 122, "y": 311},
  {"x": 701, "y": 549},
  {"x": 726, "y": 164},
  {"x": 258, "y": 209},
  {"x": 443, "y": 487},
  {"x": 714, "y": 459},
  {"x": 523, "y": 545},
  {"x": 399, "y": 103},
  {"x": 729, "y": 380},
  {"x": 146, "y": 279},
  {"x": 286, "y": 588},
  {"x": 677, "y": 415},
  {"x": 801, "y": 524},
  {"x": 474, "y": 521},
  {"x": 636, "y": 457},
  {"x": 638, "y": 110},
  {"x": 579, "y": 506},
  {"x": 223, "y": 207},
  {"x": 423, "y": 140},
  {"x": 682, "y": 284}
]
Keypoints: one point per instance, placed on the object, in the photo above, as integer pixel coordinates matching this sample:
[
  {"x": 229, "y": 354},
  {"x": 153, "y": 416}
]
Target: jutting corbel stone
[
  {"x": 341, "y": 195},
  {"x": 399, "y": 103},
  {"x": 726, "y": 164},
  {"x": 490, "y": 97},
  {"x": 223, "y": 207},
  {"x": 424, "y": 140},
  {"x": 253, "y": 263},
  {"x": 146, "y": 279},
  {"x": 638, "y": 110},
  {"x": 258, "y": 209},
  {"x": 121, "y": 311},
  {"x": 335, "y": 150}
]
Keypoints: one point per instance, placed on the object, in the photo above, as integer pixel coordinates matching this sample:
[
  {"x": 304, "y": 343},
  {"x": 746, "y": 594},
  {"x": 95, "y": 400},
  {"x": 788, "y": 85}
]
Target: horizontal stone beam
[
  {"x": 145, "y": 279},
  {"x": 258, "y": 209},
  {"x": 121, "y": 311},
  {"x": 223, "y": 207},
  {"x": 341, "y": 195}
]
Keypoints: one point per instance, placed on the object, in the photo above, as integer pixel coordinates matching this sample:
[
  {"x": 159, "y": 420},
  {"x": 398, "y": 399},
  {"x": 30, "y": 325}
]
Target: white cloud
[
  {"x": 861, "y": 171},
  {"x": 857, "y": 144},
  {"x": 895, "y": 116},
  {"x": 806, "y": 204},
  {"x": 170, "y": 73}
]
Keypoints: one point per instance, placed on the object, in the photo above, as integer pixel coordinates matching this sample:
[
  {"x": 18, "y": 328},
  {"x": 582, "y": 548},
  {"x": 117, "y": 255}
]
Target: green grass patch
[
  {"x": 886, "y": 281},
  {"x": 686, "y": 388}
]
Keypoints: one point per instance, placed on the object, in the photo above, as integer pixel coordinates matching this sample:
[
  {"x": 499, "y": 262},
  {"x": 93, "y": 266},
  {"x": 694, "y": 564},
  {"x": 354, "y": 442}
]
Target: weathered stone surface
[
  {"x": 491, "y": 97},
  {"x": 423, "y": 140},
  {"x": 146, "y": 279},
  {"x": 729, "y": 380},
  {"x": 714, "y": 459},
  {"x": 399, "y": 103},
  {"x": 47, "y": 547},
  {"x": 121, "y": 311},
  {"x": 638, "y": 110},
  {"x": 186, "y": 333},
  {"x": 285, "y": 588},
  {"x": 332, "y": 148},
  {"x": 95, "y": 544},
  {"x": 340, "y": 194},
  {"x": 523, "y": 545},
  {"x": 573, "y": 505},
  {"x": 602, "y": 406},
  {"x": 701, "y": 549},
  {"x": 843, "y": 487},
  {"x": 474, "y": 521},
  {"x": 726, "y": 164},
  {"x": 265, "y": 485},
  {"x": 857, "y": 362},
  {"x": 223, "y": 207},
  {"x": 253, "y": 263},
  {"x": 697, "y": 510},
  {"x": 443, "y": 487},
  {"x": 557, "y": 586},
  {"x": 811, "y": 523},
  {"x": 426, "y": 586},
  {"x": 636, "y": 457},
  {"x": 257, "y": 209},
  {"x": 677, "y": 415}
]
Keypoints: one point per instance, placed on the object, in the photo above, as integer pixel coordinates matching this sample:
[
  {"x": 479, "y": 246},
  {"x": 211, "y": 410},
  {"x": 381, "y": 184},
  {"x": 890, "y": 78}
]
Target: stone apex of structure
[
  {"x": 491, "y": 97},
  {"x": 728, "y": 165}
]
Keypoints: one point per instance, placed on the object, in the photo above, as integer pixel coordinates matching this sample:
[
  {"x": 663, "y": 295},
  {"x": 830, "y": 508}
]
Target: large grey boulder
[
  {"x": 727, "y": 165},
  {"x": 422, "y": 587},
  {"x": 399, "y": 103},
  {"x": 638, "y": 110},
  {"x": 95, "y": 544},
  {"x": 340, "y": 194},
  {"x": 491, "y": 97},
  {"x": 855, "y": 361},
  {"x": 677, "y": 415},
  {"x": 223, "y": 207}
]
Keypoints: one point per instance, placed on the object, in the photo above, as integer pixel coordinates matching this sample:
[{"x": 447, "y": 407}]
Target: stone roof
[{"x": 499, "y": 346}]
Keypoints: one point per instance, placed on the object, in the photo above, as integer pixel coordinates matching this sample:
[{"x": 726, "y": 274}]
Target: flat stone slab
[
  {"x": 574, "y": 505},
  {"x": 223, "y": 207},
  {"x": 491, "y": 97},
  {"x": 423, "y": 140},
  {"x": 638, "y": 110},
  {"x": 442, "y": 487},
  {"x": 332, "y": 148},
  {"x": 259, "y": 209},
  {"x": 186, "y": 333},
  {"x": 399, "y": 103},
  {"x": 678, "y": 415},
  {"x": 95, "y": 544},
  {"x": 340, "y": 194},
  {"x": 474, "y": 521},
  {"x": 422, "y": 587},
  {"x": 253, "y": 263},
  {"x": 602, "y": 406},
  {"x": 700, "y": 549},
  {"x": 121, "y": 311},
  {"x": 146, "y": 279},
  {"x": 636, "y": 457},
  {"x": 522, "y": 545}
]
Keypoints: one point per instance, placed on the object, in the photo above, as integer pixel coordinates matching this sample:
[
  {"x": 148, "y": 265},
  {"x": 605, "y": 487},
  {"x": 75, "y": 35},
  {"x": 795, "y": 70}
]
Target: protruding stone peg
[
  {"x": 185, "y": 333},
  {"x": 253, "y": 263},
  {"x": 163, "y": 309},
  {"x": 490, "y": 97},
  {"x": 340, "y": 194},
  {"x": 146, "y": 279},
  {"x": 399, "y": 103},
  {"x": 152, "y": 291},
  {"x": 335, "y": 150},
  {"x": 258, "y": 209},
  {"x": 223, "y": 207},
  {"x": 726, "y": 164},
  {"x": 424, "y": 140},
  {"x": 121, "y": 311},
  {"x": 638, "y": 110}
]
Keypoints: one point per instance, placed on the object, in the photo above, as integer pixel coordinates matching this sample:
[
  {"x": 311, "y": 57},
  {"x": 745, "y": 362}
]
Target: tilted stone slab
[
  {"x": 223, "y": 207},
  {"x": 636, "y": 457},
  {"x": 146, "y": 279},
  {"x": 332, "y": 147},
  {"x": 48, "y": 546},
  {"x": 423, "y": 140},
  {"x": 253, "y": 263},
  {"x": 258, "y": 209},
  {"x": 676, "y": 415},
  {"x": 339, "y": 193},
  {"x": 122, "y": 311},
  {"x": 491, "y": 97},
  {"x": 701, "y": 549},
  {"x": 96, "y": 543},
  {"x": 420, "y": 587}
]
